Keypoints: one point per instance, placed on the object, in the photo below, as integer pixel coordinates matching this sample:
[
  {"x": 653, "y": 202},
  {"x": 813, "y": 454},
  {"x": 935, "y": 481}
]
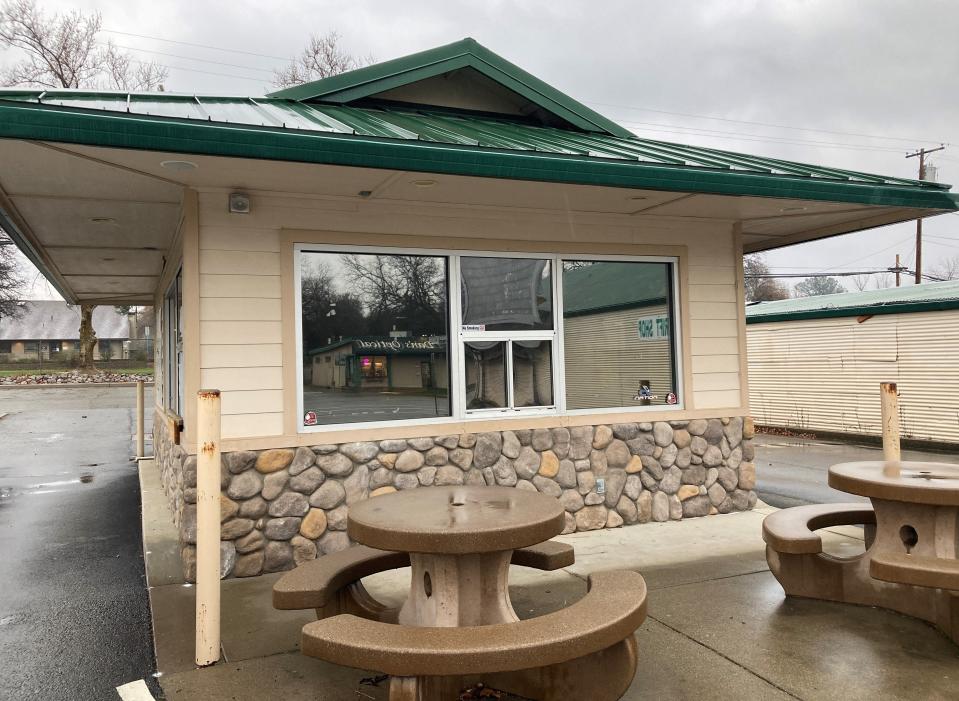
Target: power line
[
  {"x": 197, "y": 70},
  {"x": 763, "y": 124},
  {"x": 192, "y": 58},
  {"x": 741, "y": 136},
  {"x": 201, "y": 46}
]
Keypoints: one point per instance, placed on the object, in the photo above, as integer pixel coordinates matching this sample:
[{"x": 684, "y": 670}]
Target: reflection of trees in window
[
  {"x": 408, "y": 292},
  {"x": 353, "y": 295}
]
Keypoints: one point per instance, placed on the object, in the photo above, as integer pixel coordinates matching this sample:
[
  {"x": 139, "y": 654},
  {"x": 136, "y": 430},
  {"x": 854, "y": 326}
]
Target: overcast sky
[{"x": 711, "y": 73}]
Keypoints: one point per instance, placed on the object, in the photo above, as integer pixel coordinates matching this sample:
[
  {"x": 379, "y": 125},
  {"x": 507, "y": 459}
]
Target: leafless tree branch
[{"x": 322, "y": 58}]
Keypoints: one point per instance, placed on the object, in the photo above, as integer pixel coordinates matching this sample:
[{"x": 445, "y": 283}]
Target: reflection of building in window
[
  {"x": 373, "y": 366},
  {"x": 485, "y": 374},
  {"x": 617, "y": 334},
  {"x": 532, "y": 373}
]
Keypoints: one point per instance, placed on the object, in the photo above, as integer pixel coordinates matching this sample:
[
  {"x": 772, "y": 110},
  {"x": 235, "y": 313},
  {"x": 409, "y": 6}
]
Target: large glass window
[
  {"x": 173, "y": 346},
  {"x": 507, "y": 332},
  {"x": 618, "y": 329},
  {"x": 525, "y": 334},
  {"x": 374, "y": 331}
]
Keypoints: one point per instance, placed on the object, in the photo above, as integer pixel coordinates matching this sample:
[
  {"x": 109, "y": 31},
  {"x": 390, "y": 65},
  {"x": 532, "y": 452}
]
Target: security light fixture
[
  {"x": 103, "y": 221},
  {"x": 424, "y": 183},
  {"x": 239, "y": 203}
]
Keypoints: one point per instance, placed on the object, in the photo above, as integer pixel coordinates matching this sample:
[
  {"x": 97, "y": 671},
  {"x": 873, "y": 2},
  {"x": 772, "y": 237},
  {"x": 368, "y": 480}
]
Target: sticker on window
[
  {"x": 467, "y": 328},
  {"x": 671, "y": 398},
  {"x": 309, "y": 419}
]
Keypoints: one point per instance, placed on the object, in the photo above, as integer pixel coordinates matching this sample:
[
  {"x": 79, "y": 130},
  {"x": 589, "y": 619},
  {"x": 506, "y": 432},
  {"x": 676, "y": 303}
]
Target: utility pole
[
  {"x": 897, "y": 270},
  {"x": 922, "y": 174}
]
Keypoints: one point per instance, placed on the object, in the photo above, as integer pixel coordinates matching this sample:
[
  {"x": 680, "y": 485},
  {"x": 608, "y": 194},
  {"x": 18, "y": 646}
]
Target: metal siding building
[{"x": 816, "y": 363}]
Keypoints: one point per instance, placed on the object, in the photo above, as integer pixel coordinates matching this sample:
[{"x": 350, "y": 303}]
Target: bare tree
[
  {"x": 11, "y": 281},
  {"x": 761, "y": 289},
  {"x": 322, "y": 58},
  {"x": 860, "y": 282},
  {"x": 884, "y": 281},
  {"x": 946, "y": 269},
  {"x": 63, "y": 50}
]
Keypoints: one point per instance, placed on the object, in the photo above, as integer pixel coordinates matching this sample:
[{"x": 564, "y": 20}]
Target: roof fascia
[
  {"x": 31, "y": 121},
  {"x": 866, "y": 310},
  {"x": 371, "y": 80}
]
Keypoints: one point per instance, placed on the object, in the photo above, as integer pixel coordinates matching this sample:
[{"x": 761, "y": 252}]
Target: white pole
[
  {"x": 208, "y": 528},
  {"x": 140, "y": 420},
  {"x": 890, "y": 422}
]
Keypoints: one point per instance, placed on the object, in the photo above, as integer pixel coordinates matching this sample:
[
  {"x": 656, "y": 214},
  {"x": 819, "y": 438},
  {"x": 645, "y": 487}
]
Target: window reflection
[
  {"x": 500, "y": 294},
  {"x": 374, "y": 337},
  {"x": 532, "y": 373},
  {"x": 486, "y": 378},
  {"x": 617, "y": 334}
]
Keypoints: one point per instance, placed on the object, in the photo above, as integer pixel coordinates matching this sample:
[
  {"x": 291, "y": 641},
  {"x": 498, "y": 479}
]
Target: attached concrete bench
[
  {"x": 331, "y": 584},
  {"x": 795, "y": 554},
  {"x": 792, "y": 530},
  {"x": 586, "y": 650},
  {"x": 917, "y": 570}
]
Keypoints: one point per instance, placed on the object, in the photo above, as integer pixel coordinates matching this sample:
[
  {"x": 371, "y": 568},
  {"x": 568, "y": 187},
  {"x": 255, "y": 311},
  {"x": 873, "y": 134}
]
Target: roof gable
[{"x": 461, "y": 75}]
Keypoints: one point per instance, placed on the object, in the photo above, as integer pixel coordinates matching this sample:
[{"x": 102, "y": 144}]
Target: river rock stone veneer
[{"x": 282, "y": 507}]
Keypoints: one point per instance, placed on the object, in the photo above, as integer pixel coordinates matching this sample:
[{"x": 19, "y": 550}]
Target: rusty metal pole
[
  {"x": 890, "y": 424},
  {"x": 140, "y": 420},
  {"x": 208, "y": 527}
]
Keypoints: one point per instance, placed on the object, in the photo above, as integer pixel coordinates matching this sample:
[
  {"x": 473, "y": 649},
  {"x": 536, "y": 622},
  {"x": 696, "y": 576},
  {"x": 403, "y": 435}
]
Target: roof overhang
[{"x": 83, "y": 192}]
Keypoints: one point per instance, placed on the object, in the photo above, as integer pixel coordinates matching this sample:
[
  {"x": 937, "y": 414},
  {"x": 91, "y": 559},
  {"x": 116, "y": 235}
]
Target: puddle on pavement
[{"x": 86, "y": 477}]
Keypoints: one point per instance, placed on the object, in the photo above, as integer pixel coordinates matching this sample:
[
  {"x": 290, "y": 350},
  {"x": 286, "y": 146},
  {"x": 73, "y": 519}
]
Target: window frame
[{"x": 456, "y": 337}]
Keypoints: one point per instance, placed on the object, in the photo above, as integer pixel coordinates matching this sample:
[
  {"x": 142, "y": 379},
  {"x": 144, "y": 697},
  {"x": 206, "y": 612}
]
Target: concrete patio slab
[
  {"x": 719, "y": 625},
  {"x": 812, "y": 649}
]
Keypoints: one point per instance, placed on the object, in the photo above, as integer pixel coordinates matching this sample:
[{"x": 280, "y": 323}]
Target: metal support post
[
  {"x": 208, "y": 528},
  {"x": 140, "y": 420},
  {"x": 890, "y": 422}
]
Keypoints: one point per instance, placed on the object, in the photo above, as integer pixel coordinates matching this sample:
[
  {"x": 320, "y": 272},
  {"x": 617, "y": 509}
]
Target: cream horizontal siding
[
  {"x": 251, "y": 425},
  {"x": 239, "y": 286},
  {"x": 824, "y": 374},
  {"x": 241, "y": 356},
  {"x": 717, "y": 399},
  {"x": 239, "y": 309},
  {"x": 241, "y": 351}
]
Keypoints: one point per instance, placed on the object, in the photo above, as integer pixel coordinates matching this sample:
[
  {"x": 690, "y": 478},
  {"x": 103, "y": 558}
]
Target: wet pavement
[
  {"x": 74, "y": 612},
  {"x": 793, "y": 471}
]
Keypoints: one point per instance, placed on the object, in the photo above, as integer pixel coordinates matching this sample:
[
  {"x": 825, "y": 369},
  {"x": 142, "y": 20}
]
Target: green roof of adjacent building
[
  {"x": 932, "y": 296},
  {"x": 360, "y": 119}
]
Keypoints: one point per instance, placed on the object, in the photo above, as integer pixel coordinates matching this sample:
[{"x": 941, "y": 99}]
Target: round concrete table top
[
  {"x": 933, "y": 483},
  {"x": 456, "y": 520}
]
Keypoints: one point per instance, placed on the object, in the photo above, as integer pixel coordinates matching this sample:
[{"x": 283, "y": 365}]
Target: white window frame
[{"x": 456, "y": 337}]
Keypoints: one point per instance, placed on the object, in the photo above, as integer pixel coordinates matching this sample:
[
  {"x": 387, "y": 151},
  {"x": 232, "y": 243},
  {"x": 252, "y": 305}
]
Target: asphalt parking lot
[{"x": 74, "y": 613}]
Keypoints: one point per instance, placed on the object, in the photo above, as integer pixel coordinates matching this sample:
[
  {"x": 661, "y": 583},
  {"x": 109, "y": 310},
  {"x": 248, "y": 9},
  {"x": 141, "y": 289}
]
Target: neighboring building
[
  {"x": 579, "y": 287},
  {"x": 50, "y": 331},
  {"x": 815, "y": 363}
]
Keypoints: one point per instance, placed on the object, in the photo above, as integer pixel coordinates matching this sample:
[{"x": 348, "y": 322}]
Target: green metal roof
[
  {"x": 371, "y": 80},
  {"x": 932, "y": 296},
  {"x": 432, "y": 141},
  {"x": 587, "y": 290}
]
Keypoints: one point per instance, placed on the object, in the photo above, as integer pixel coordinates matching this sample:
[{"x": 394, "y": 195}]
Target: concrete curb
[{"x": 71, "y": 385}]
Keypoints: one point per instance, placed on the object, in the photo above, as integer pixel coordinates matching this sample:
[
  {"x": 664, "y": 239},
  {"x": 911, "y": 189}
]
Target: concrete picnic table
[
  {"x": 457, "y": 626},
  {"x": 911, "y": 561},
  {"x": 460, "y": 541}
]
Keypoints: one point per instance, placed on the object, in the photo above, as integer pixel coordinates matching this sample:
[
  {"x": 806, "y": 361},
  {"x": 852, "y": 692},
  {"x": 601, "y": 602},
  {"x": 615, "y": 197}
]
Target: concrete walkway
[{"x": 719, "y": 626}]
